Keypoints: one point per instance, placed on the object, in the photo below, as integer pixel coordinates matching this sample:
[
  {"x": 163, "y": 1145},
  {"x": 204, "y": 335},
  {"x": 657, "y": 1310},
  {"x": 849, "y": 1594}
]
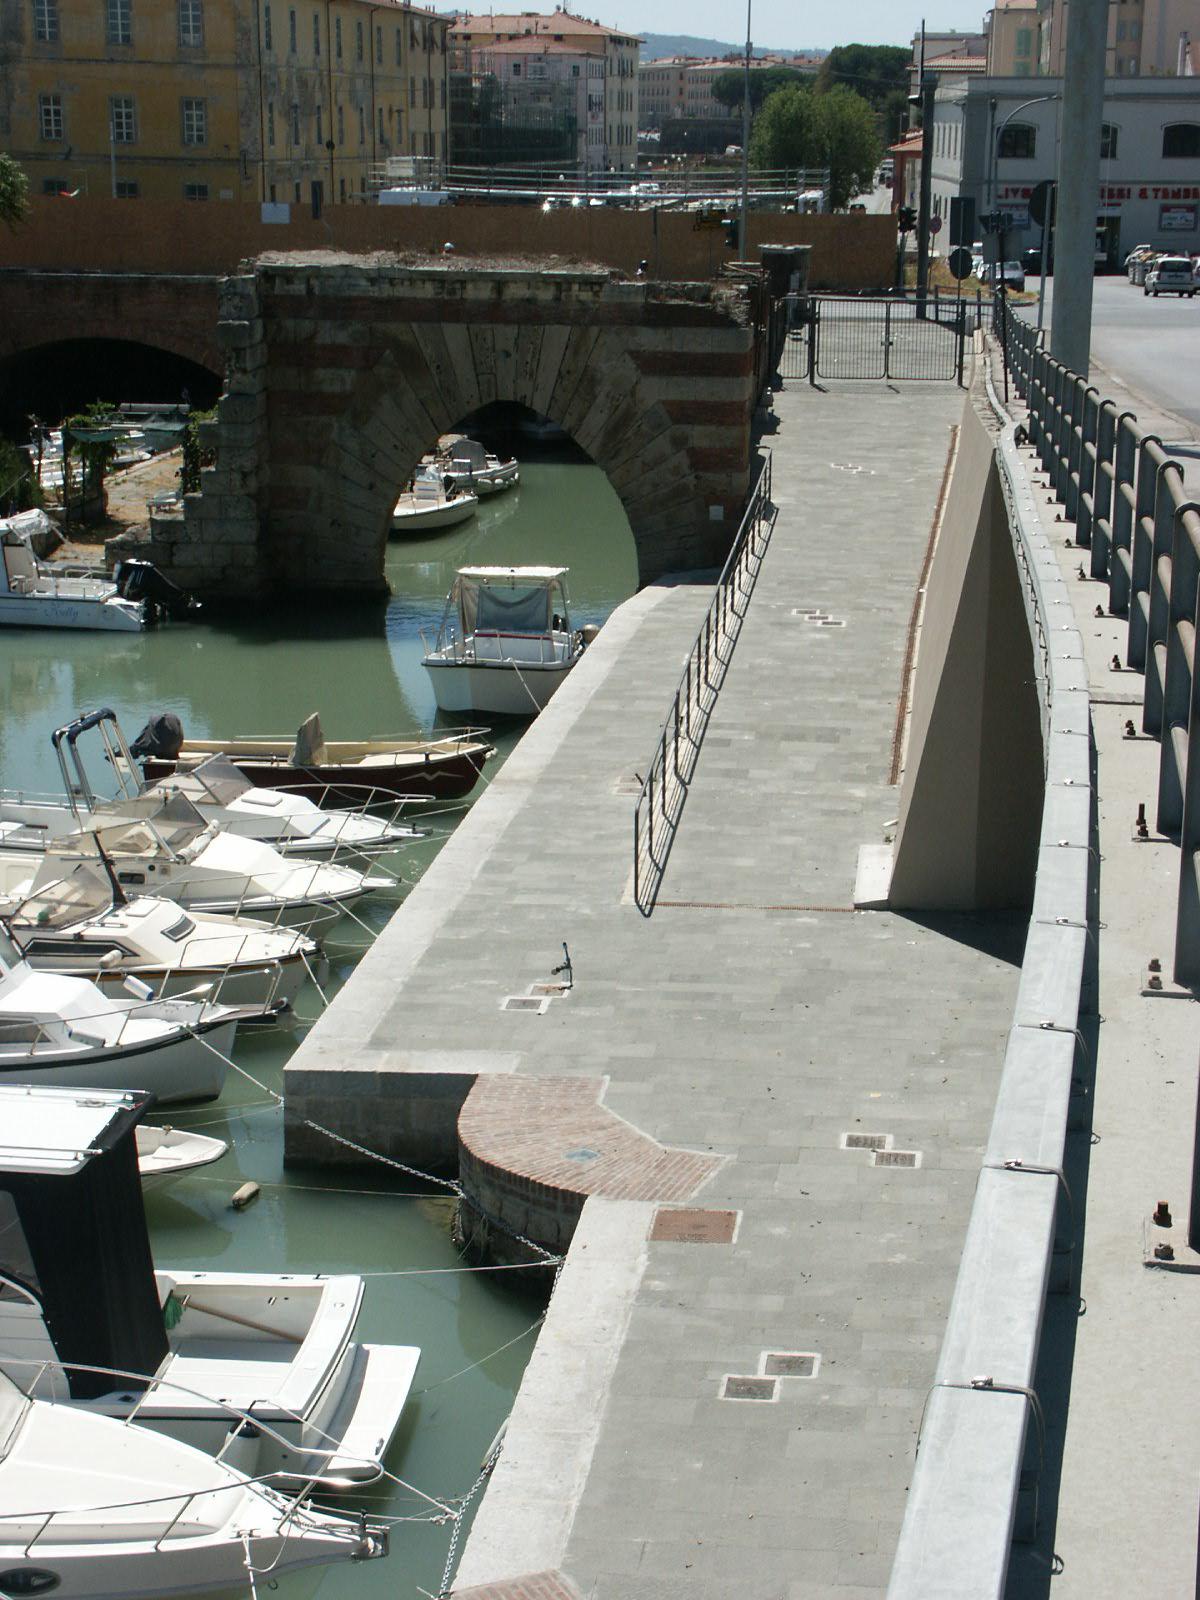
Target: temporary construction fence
[{"x": 900, "y": 337}]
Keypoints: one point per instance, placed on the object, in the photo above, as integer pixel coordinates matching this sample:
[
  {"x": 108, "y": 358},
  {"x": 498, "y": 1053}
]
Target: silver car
[{"x": 1170, "y": 275}]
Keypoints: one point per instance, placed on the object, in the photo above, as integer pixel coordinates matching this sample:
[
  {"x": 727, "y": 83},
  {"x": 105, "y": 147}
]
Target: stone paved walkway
[{"x": 727, "y": 1027}]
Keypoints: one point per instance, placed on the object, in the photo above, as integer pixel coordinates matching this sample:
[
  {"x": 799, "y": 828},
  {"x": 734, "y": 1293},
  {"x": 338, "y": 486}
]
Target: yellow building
[{"x": 253, "y": 100}]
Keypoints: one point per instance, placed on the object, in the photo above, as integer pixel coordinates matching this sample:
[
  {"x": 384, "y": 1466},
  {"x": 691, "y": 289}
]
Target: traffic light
[
  {"x": 906, "y": 217},
  {"x": 730, "y": 224}
]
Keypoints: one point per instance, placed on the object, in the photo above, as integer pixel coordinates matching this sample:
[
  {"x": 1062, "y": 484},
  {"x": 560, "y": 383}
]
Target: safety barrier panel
[
  {"x": 663, "y": 793},
  {"x": 1124, "y": 494},
  {"x": 897, "y": 336}
]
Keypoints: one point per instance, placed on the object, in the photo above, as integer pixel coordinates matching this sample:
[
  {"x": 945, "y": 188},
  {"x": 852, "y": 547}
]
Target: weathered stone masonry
[{"x": 343, "y": 370}]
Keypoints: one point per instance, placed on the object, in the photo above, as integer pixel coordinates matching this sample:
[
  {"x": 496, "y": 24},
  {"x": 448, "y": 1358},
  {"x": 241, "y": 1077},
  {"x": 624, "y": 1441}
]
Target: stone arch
[
  {"x": 177, "y": 317},
  {"x": 432, "y": 375}
]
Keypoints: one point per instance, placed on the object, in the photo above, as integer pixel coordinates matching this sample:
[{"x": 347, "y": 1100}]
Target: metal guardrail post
[
  {"x": 814, "y": 337},
  {"x": 1150, "y": 459},
  {"x": 1086, "y": 471},
  {"x": 1168, "y": 493},
  {"x": 1187, "y": 913},
  {"x": 1084, "y": 401},
  {"x": 1102, "y": 492},
  {"x": 1180, "y": 663},
  {"x": 1120, "y": 567}
]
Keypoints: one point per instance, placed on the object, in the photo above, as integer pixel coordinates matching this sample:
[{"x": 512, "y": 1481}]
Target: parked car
[
  {"x": 1140, "y": 252},
  {"x": 1138, "y": 263},
  {"x": 1171, "y": 275},
  {"x": 1010, "y": 273}
]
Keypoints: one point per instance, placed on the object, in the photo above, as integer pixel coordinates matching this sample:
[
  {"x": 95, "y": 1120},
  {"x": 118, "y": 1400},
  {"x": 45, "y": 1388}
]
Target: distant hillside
[{"x": 684, "y": 44}]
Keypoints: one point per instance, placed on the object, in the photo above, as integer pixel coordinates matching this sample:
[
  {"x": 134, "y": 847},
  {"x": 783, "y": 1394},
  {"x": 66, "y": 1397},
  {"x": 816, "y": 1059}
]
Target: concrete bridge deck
[{"x": 755, "y": 1019}]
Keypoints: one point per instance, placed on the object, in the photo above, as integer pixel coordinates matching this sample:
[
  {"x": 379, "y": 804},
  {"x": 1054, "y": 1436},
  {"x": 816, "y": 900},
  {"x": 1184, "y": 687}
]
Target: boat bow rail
[
  {"x": 979, "y": 1452},
  {"x": 660, "y": 802}
]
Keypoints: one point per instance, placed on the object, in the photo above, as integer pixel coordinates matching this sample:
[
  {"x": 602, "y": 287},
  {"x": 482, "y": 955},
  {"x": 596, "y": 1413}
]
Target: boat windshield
[
  {"x": 215, "y": 780},
  {"x": 60, "y": 898},
  {"x": 511, "y": 608}
]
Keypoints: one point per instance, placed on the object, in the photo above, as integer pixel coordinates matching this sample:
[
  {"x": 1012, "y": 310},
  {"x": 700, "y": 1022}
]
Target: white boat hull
[
  {"x": 58, "y": 611},
  {"x": 495, "y": 688},
  {"x": 167, "y": 1154},
  {"x": 182, "y": 1067},
  {"x": 426, "y": 519}
]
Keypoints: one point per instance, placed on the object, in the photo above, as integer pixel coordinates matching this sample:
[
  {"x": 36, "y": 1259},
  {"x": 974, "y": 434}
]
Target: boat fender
[
  {"x": 243, "y": 1196},
  {"x": 588, "y": 632}
]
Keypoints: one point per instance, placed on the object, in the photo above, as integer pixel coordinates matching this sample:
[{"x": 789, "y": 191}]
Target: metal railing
[
  {"x": 664, "y": 790},
  {"x": 897, "y": 336},
  {"x": 1125, "y": 496}
]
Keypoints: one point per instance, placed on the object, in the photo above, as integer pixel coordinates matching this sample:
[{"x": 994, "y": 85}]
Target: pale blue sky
[{"x": 782, "y": 23}]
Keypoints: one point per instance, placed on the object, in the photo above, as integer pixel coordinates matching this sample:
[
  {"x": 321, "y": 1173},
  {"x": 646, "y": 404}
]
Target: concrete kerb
[{"x": 974, "y": 1480}]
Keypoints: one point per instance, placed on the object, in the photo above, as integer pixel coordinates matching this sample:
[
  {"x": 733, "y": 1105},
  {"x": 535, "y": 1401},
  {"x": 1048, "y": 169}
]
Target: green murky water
[{"x": 362, "y": 671}]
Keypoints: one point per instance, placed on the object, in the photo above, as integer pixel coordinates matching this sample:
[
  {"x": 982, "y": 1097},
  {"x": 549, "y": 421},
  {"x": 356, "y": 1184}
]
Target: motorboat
[
  {"x": 74, "y": 918},
  {"x": 505, "y": 642},
  {"x": 290, "y": 823},
  {"x": 260, "y": 1370},
  {"x": 473, "y": 468},
  {"x": 63, "y": 1031},
  {"x": 330, "y": 772},
  {"x": 39, "y": 594},
  {"x": 427, "y": 506},
  {"x": 162, "y": 846},
  {"x": 165, "y": 1154}
]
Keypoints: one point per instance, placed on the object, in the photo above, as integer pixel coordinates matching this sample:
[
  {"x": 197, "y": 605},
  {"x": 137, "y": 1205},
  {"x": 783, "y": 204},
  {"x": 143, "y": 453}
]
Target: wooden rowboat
[{"x": 341, "y": 772}]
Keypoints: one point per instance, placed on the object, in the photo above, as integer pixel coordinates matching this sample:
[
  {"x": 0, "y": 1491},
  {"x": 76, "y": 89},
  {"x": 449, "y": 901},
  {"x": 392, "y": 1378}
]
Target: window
[
  {"x": 320, "y": 130},
  {"x": 575, "y": 69},
  {"x": 122, "y": 119},
  {"x": 292, "y": 30},
  {"x": 342, "y": 191},
  {"x": 358, "y": 39},
  {"x": 195, "y": 191},
  {"x": 296, "y": 188},
  {"x": 267, "y": 28},
  {"x": 1181, "y": 141},
  {"x": 271, "y": 123},
  {"x": 1108, "y": 142},
  {"x": 1024, "y": 45},
  {"x": 341, "y": 126},
  {"x": 1017, "y": 142},
  {"x": 382, "y": 134},
  {"x": 516, "y": 69},
  {"x": 399, "y": 48},
  {"x": 45, "y": 21},
  {"x": 378, "y": 47},
  {"x": 125, "y": 189},
  {"x": 191, "y": 24},
  {"x": 362, "y": 126},
  {"x": 295, "y": 124},
  {"x": 195, "y": 121},
  {"x": 54, "y": 186},
  {"x": 119, "y": 22},
  {"x": 337, "y": 37},
  {"x": 50, "y": 116},
  {"x": 316, "y": 33},
  {"x": 272, "y": 194},
  {"x": 442, "y": 93}
]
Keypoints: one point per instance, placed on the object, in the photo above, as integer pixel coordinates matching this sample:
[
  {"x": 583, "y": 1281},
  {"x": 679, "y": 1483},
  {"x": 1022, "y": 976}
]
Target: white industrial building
[{"x": 996, "y": 138}]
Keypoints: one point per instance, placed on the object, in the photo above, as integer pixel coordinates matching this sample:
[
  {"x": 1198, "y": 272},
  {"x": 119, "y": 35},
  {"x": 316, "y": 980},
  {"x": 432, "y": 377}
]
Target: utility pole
[
  {"x": 1078, "y": 184},
  {"x": 745, "y": 145},
  {"x": 928, "y": 90}
]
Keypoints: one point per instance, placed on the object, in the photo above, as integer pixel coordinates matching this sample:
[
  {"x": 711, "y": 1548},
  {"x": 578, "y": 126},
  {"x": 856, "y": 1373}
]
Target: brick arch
[
  {"x": 430, "y": 377},
  {"x": 178, "y": 316}
]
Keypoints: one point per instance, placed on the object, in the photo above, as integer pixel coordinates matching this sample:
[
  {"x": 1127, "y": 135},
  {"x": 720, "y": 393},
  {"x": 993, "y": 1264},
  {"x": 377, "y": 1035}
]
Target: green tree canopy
[
  {"x": 878, "y": 72},
  {"x": 800, "y": 128},
  {"x": 14, "y": 192},
  {"x": 729, "y": 88}
]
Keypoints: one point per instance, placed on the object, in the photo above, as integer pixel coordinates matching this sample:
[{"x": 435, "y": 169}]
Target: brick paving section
[{"x": 534, "y": 1586}]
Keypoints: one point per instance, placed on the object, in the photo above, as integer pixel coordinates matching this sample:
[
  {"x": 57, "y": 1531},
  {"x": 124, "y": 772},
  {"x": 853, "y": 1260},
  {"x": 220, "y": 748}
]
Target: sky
[{"x": 782, "y": 23}]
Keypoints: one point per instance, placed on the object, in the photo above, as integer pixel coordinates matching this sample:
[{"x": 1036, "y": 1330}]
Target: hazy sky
[{"x": 781, "y": 22}]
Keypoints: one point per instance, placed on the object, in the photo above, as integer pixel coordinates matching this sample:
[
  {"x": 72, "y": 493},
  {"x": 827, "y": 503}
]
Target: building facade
[
  {"x": 220, "y": 99},
  {"x": 1144, "y": 37},
  {"x": 1013, "y": 39},
  {"x": 612, "y": 98},
  {"x": 991, "y": 144}
]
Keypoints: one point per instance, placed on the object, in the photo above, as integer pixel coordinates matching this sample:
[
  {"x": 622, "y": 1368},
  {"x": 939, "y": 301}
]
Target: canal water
[{"x": 362, "y": 671}]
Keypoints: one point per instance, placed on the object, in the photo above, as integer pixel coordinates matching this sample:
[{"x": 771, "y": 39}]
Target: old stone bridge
[{"x": 342, "y": 370}]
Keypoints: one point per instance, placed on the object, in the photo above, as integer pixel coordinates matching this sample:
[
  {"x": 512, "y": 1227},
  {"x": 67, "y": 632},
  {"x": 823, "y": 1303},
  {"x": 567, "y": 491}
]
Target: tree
[
  {"x": 14, "y": 192},
  {"x": 878, "y": 72},
  {"x": 729, "y": 88},
  {"x": 784, "y": 131},
  {"x": 849, "y": 142}
]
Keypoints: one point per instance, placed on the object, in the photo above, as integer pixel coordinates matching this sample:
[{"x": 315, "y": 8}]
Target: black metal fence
[{"x": 895, "y": 337}]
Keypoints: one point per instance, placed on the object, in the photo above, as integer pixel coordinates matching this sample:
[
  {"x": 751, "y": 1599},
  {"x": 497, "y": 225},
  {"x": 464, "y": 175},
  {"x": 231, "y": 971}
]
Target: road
[{"x": 1151, "y": 347}]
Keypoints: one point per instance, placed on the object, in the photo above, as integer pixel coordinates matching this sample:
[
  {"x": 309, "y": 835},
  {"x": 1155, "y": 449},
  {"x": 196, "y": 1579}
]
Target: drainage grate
[
  {"x": 897, "y": 1158},
  {"x": 551, "y": 989},
  {"x": 866, "y": 1141},
  {"x": 694, "y": 1226},
  {"x": 790, "y": 1363},
  {"x": 525, "y": 1002},
  {"x": 750, "y": 1389}
]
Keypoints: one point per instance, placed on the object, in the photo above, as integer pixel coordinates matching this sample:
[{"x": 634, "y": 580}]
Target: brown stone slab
[{"x": 693, "y": 1225}]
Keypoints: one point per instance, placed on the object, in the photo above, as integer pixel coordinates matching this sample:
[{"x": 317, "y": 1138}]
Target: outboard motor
[
  {"x": 141, "y": 580},
  {"x": 161, "y": 738}
]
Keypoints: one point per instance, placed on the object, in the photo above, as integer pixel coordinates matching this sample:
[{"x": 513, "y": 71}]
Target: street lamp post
[
  {"x": 1039, "y": 99},
  {"x": 745, "y": 145}
]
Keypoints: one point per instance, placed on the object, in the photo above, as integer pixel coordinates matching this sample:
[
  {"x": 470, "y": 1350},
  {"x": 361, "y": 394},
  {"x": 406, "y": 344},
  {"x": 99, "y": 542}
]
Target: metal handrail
[
  {"x": 1125, "y": 495},
  {"x": 664, "y": 790}
]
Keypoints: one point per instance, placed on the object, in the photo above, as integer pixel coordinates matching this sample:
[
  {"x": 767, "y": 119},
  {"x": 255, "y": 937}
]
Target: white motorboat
[
  {"x": 474, "y": 468},
  {"x": 505, "y": 643},
  {"x": 34, "y": 595},
  {"x": 57, "y": 1030},
  {"x": 166, "y": 1154},
  {"x": 97, "y": 1509},
  {"x": 427, "y": 507},
  {"x": 259, "y": 1369},
  {"x": 76, "y": 919},
  {"x": 289, "y": 823},
  {"x": 162, "y": 846}
]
